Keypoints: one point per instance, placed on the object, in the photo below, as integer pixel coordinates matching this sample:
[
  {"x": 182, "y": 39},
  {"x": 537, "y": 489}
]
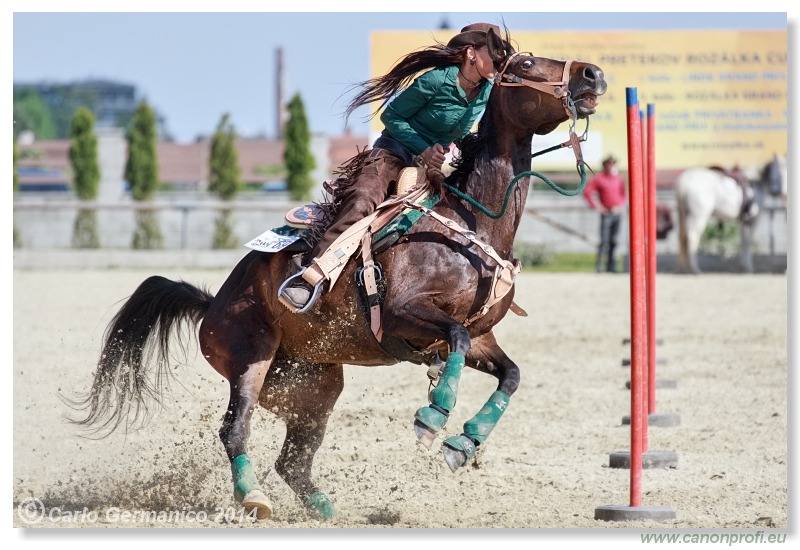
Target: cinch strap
[{"x": 370, "y": 285}]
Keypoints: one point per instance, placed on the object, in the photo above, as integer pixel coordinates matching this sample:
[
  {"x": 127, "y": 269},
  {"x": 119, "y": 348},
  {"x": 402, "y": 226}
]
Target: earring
[{"x": 471, "y": 60}]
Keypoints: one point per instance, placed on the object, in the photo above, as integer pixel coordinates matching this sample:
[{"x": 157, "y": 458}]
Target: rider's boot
[
  {"x": 296, "y": 292},
  {"x": 299, "y": 294}
]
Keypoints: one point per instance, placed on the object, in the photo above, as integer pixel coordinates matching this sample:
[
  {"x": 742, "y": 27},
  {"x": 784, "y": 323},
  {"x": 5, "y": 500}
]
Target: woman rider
[{"x": 437, "y": 109}]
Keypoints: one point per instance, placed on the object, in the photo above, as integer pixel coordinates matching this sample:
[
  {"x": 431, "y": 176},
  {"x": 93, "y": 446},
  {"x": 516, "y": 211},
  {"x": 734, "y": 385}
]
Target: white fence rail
[{"x": 187, "y": 223}]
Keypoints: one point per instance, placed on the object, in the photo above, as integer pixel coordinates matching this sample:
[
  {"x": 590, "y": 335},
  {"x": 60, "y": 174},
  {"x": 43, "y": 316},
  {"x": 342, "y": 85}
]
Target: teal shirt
[{"x": 434, "y": 109}]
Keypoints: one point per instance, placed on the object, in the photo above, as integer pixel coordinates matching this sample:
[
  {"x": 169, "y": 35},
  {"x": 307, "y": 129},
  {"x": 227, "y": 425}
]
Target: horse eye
[{"x": 527, "y": 64}]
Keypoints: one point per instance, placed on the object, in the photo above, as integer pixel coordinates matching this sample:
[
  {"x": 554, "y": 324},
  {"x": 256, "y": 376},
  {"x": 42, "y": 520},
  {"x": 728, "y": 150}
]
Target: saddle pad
[{"x": 403, "y": 221}]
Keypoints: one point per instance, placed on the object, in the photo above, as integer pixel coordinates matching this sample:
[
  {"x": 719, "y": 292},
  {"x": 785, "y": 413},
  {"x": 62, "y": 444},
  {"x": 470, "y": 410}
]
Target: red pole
[
  {"x": 638, "y": 299},
  {"x": 652, "y": 257},
  {"x": 645, "y": 370}
]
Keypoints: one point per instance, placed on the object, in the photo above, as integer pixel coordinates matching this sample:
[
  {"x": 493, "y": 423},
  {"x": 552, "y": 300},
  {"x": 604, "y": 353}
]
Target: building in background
[{"x": 112, "y": 103}]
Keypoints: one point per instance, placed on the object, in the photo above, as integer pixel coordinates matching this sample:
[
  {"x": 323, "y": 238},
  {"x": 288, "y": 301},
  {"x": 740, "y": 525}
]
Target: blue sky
[{"x": 193, "y": 67}]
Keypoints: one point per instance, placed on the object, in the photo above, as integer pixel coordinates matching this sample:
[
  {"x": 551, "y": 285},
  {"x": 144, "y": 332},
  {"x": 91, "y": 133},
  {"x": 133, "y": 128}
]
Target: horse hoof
[
  {"x": 319, "y": 503},
  {"x": 454, "y": 458},
  {"x": 425, "y": 435},
  {"x": 257, "y": 500}
]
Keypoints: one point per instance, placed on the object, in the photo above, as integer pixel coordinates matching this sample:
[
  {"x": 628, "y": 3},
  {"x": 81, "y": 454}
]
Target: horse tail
[{"x": 139, "y": 334}]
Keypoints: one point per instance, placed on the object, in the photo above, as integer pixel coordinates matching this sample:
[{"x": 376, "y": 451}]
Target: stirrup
[
  {"x": 359, "y": 274},
  {"x": 291, "y": 305}
]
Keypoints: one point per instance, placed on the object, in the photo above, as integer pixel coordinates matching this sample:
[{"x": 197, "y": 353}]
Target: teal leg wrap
[
  {"x": 478, "y": 428},
  {"x": 461, "y": 443},
  {"x": 445, "y": 393},
  {"x": 320, "y": 503},
  {"x": 443, "y": 396},
  {"x": 481, "y": 425},
  {"x": 244, "y": 478}
]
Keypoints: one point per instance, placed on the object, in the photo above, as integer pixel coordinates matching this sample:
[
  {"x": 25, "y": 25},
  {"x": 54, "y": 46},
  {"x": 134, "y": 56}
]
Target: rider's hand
[{"x": 434, "y": 156}]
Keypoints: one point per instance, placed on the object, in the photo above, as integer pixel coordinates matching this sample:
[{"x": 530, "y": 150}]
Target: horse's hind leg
[
  {"x": 235, "y": 432},
  {"x": 746, "y": 231},
  {"x": 237, "y": 340},
  {"x": 692, "y": 229},
  {"x": 303, "y": 395},
  {"x": 485, "y": 356}
]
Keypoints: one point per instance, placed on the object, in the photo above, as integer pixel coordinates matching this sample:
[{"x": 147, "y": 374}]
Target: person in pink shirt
[{"x": 610, "y": 190}]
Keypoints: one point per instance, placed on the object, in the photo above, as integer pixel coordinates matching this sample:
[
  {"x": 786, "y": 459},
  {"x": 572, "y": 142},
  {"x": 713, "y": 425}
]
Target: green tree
[
  {"x": 32, "y": 113},
  {"x": 223, "y": 163},
  {"x": 85, "y": 177},
  {"x": 224, "y": 179},
  {"x": 83, "y": 155},
  {"x": 141, "y": 168},
  {"x": 141, "y": 173},
  {"x": 297, "y": 155}
]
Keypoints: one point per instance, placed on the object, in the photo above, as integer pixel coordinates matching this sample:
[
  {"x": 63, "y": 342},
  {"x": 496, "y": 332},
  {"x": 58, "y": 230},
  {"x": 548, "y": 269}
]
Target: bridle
[
  {"x": 559, "y": 90},
  {"x": 556, "y": 89}
]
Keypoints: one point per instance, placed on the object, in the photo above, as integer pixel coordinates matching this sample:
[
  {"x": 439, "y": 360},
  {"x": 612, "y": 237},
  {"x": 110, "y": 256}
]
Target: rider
[{"x": 438, "y": 108}]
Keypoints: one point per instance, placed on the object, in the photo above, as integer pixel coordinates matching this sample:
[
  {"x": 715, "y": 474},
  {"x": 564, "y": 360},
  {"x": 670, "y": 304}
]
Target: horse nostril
[{"x": 592, "y": 73}]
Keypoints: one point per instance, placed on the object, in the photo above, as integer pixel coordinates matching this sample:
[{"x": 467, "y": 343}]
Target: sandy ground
[{"x": 544, "y": 466}]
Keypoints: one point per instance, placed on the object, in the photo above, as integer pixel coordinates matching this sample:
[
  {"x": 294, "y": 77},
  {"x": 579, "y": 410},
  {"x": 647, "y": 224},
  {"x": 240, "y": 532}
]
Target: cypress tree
[
  {"x": 224, "y": 179},
  {"x": 223, "y": 163},
  {"x": 141, "y": 172},
  {"x": 297, "y": 155},
  {"x": 85, "y": 177}
]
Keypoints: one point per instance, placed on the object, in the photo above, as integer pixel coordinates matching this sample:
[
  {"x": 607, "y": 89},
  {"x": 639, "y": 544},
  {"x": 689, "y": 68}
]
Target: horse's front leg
[
  {"x": 420, "y": 320},
  {"x": 485, "y": 356}
]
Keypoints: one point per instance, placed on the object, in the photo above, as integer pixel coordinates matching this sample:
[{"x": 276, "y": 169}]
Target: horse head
[
  {"x": 531, "y": 95},
  {"x": 537, "y": 94}
]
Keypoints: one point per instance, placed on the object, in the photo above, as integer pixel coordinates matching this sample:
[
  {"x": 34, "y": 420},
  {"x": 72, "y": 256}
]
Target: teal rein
[{"x": 512, "y": 183}]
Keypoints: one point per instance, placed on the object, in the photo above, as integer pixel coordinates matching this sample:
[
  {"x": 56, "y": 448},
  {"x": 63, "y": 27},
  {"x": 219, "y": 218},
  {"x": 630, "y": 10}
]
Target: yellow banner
[{"x": 720, "y": 97}]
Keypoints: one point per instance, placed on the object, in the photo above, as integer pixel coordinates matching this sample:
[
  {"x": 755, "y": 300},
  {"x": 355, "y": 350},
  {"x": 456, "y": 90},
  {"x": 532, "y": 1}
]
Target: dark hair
[{"x": 383, "y": 88}]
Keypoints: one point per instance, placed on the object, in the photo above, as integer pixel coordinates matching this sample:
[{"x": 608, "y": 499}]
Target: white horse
[{"x": 702, "y": 193}]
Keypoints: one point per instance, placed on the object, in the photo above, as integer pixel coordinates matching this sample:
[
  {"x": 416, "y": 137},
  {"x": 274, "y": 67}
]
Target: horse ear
[{"x": 497, "y": 48}]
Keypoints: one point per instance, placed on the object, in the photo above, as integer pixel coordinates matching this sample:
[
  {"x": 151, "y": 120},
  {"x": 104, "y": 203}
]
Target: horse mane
[
  {"x": 464, "y": 162},
  {"x": 471, "y": 147}
]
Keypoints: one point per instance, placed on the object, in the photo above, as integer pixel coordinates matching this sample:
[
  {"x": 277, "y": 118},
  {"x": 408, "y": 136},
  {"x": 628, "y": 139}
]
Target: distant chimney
[{"x": 280, "y": 95}]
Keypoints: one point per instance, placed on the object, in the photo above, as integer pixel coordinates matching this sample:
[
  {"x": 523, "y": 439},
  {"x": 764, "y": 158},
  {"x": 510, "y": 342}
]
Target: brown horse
[{"x": 292, "y": 364}]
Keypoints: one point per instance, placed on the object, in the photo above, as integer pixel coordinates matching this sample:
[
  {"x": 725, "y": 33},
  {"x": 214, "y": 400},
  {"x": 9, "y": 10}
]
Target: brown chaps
[{"x": 370, "y": 186}]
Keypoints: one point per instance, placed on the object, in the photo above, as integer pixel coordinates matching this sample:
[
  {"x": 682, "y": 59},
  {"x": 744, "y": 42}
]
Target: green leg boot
[
  {"x": 319, "y": 503},
  {"x": 431, "y": 419},
  {"x": 246, "y": 489},
  {"x": 458, "y": 449}
]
